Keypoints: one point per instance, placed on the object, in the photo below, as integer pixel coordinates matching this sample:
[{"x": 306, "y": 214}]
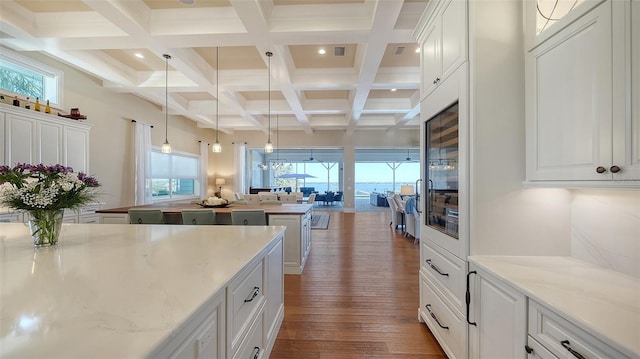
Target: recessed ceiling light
[
  {"x": 322, "y": 51},
  {"x": 417, "y": 50},
  {"x": 393, "y": 90},
  {"x": 139, "y": 55}
]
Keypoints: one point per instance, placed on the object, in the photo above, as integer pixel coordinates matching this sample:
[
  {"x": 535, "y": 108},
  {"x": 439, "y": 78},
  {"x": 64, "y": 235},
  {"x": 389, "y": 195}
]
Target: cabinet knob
[
  {"x": 614, "y": 169},
  {"x": 528, "y": 349},
  {"x": 601, "y": 169},
  {"x": 435, "y": 81}
]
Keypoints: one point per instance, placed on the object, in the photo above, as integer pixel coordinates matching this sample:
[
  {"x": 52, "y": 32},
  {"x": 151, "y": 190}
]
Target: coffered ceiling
[{"x": 368, "y": 78}]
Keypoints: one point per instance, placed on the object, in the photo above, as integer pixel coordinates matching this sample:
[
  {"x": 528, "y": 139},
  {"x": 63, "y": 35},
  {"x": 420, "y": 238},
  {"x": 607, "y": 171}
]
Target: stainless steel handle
[
  {"x": 256, "y": 352},
  {"x": 429, "y": 197},
  {"x": 567, "y": 345},
  {"x": 254, "y": 294},
  {"x": 435, "y": 268},
  {"x": 418, "y": 182},
  {"x": 428, "y": 306}
]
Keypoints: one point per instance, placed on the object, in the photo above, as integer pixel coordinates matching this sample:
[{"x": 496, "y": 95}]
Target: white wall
[{"x": 606, "y": 229}]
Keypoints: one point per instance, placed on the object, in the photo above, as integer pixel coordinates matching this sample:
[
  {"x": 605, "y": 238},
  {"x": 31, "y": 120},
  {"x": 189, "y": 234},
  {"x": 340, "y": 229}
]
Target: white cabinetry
[
  {"x": 475, "y": 48},
  {"x": 297, "y": 240},
  {"x": 497, "y": 318},
  {"x": 580, "y": 125},
  {"x": 33, "y": 137},
  {"x": 444, "y": 47}
]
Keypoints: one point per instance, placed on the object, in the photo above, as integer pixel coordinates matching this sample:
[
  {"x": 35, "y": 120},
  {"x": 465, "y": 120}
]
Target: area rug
[{"x": 320, "y": 221}]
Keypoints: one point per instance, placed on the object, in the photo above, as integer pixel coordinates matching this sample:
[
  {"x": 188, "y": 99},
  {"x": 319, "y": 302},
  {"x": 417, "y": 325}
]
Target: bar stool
[
  {"x": 248, "y": 217},
  {"x": 146, "y": 216},
  {"x": 198, "y": 216}
]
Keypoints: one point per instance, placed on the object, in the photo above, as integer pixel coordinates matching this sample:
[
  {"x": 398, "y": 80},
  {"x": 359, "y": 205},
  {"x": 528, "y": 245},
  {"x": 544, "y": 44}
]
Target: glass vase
[{"x": 44, "y": 225}]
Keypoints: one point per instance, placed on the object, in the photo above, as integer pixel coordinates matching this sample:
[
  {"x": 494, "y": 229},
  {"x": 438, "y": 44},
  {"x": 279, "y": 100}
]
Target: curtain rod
[{"x": 141, "y": 122}]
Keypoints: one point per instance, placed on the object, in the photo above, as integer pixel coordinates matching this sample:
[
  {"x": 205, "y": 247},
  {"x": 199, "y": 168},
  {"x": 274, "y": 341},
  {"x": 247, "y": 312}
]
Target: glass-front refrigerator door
[{"x": 441, "y": 172}]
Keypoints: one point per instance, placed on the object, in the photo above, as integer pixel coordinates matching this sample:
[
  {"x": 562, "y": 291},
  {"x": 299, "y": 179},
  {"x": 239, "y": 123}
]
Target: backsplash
[{"x": 605, "y": 229}]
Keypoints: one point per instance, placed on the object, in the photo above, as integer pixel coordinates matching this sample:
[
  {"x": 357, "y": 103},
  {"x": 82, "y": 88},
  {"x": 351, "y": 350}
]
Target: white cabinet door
[
  {"x": 453, "y": 43},
  {"x": 500, "y": 316},
  {"x": 274, "y": 291},
  {"x": 50, "y": 146},
  {"x": 430, "y": 51},
  {"x": 626, "y": 131},
  {"x": 570, "y": 101},
  {"x": 444, "y": 44},
  {"x": 3, "y": 144},
  {"x": 76, "y": 149},
  {"x": 20, "y": 140}
]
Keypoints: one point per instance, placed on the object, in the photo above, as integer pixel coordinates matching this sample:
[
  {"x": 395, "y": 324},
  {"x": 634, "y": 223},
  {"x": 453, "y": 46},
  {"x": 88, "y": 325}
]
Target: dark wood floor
[{"x": 358, "y": 296}]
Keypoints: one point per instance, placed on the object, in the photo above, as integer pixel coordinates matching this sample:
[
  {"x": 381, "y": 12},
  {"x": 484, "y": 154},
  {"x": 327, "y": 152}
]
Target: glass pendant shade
[
  {"x": 166, "y": 147},
  {"x": 216, "y": 148},
  {"x": 268, "y": 148}
]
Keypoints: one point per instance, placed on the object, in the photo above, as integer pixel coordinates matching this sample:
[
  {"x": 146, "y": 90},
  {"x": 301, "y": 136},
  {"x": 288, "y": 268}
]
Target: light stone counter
[
  {"x": 602, "y": 302},
  {"x": 113, "y": 291}
]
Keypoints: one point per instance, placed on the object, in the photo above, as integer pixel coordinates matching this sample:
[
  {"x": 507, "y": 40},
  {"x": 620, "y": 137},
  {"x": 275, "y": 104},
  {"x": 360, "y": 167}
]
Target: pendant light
[
  {"x": 217, "y": 148},
  {"x": 166, "y": 147},
  {"x": 268, "y": 147}
]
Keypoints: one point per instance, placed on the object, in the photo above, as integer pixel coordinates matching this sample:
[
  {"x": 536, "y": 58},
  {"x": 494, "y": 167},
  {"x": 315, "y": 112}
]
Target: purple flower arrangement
[{"x": 37, "y": 187}]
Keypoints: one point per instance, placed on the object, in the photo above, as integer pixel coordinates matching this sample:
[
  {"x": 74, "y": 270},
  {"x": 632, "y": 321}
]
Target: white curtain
[
  {"x": 143, "y": 190},
  {"x": 204, "y": 165},
  {"x": 239, "y": 156}
]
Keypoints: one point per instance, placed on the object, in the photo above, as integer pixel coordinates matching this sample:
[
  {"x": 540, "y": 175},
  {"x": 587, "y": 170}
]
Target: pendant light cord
[
  {"x": 217, "y": 86},
  {"x": 166, "y": 98},
  {"x": 269, "y": 54}
]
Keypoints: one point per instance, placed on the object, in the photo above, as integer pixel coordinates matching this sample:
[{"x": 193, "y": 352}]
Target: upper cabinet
[
  {"x": 582, "y": 122},
  {"x": 31, "y": 137},
  {"x": 443, "y": 43}
]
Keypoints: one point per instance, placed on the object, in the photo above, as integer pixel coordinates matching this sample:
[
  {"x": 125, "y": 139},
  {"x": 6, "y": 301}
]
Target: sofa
[{"x": 378, "y": 199}]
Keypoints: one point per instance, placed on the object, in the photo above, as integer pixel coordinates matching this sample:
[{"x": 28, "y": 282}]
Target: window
[
  {"x": 174, "y": 175},
  {"x": 22, "y": 76}
]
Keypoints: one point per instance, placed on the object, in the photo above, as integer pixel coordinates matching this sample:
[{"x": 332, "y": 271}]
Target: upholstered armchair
[
  {"x": 412, "y": 219},
  {"x": 397, "y": 215}
]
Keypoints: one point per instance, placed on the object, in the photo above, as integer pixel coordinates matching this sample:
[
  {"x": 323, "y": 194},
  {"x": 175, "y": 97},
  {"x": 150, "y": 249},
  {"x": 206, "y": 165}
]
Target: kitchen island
[
  {"x": 121, "y": 291},
  {"x": 296, "y": 217}
]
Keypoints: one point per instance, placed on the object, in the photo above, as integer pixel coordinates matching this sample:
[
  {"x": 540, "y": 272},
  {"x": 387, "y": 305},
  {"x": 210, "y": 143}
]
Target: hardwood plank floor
[{"x": 358, "y": 296}]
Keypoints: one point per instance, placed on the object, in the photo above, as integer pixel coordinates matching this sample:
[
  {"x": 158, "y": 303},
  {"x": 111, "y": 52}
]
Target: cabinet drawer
[
  {"x": 450, "y": 329},
  {"x": 252, "y": 346},
  {"x": 562, "y": 338},
  {"x": 538, "y": 351},
  {"x": 245, "y": 297},
  {"x": 445, "y": 270}
]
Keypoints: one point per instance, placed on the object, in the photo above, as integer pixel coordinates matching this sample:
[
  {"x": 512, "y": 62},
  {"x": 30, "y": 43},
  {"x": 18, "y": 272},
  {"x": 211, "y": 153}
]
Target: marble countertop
[
  {"x": 113, "y": 290},
  {"x": 602, "y": 302}
]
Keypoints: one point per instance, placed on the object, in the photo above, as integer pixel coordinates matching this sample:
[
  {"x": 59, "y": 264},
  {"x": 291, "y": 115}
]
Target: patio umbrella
[{"x": 297, "y": 176}]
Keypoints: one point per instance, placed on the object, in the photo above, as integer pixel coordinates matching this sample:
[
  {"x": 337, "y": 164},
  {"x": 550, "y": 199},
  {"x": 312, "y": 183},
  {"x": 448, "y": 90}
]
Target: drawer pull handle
[
  {"x": 256, "y": 291},
  {"x": 435, "y": 268},
  {"x": 468, "y": 297},
  {"x": 567, "y": 345},
  {"x": 428, "y": 306},
  {"x": 528, "y": 349},
  {"x": 256, "y": 352}
]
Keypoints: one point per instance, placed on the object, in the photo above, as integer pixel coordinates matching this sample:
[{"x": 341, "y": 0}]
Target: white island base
[{"x": 121, "y": 291}]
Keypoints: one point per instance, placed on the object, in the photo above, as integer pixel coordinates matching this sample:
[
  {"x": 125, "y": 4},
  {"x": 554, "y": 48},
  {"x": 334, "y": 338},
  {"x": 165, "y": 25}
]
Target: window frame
[
  {"x": 54, "y": 78},
  {"x": 173, "y": 197}
]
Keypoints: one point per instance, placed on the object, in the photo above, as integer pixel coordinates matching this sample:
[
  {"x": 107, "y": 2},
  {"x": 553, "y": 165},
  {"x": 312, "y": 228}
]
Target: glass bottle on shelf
[{"x": 441, "y": 171}]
